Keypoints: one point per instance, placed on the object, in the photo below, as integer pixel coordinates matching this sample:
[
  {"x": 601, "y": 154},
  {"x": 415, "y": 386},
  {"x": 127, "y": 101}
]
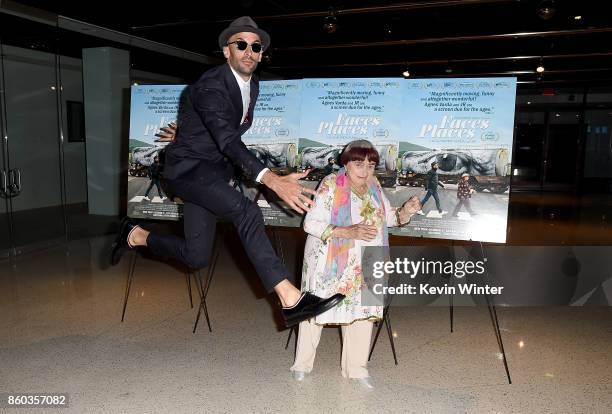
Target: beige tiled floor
[{"x": 60, "y": 331}]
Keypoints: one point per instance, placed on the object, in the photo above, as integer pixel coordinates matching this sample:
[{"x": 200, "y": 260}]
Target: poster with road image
[
  {"x": 466, "y": 127},
  {"x": 273, "y": 138},
  {"x": 338, "y": 111},
  {"x": 152, "y": 109}
]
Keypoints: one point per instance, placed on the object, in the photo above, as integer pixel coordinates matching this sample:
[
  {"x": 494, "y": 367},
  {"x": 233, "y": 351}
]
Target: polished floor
[{"x": 60, "y": 331}]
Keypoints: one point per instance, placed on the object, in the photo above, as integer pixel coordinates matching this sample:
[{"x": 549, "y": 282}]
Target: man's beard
[{"x": 246, "y": 69}]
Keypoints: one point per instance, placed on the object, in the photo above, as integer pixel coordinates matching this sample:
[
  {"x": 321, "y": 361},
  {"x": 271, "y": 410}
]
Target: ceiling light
[
  {"x": 577, "y": 17},
  {"x": 546, "y": 10},
  {"x": 540, "y": 67},
  {"x": 330, "y": 22},
  {"x": 406, "y": 73}
]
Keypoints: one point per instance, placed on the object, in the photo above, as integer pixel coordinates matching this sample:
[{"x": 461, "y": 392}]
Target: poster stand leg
[
  {"x": 451, "y": 297},
  {"x": 278, "y": 247},
  {"x": 492, "y": 314},
  {"x": 386, "y": 320},
  {"x": 130, "y": 279},
  {"x": 495, "y": 320},
  {"x": 128, "y": 284},
  {"x": 188, "y": 280},
  {"x": 291, "y": 330},
  {"x": 204, "y": 287}
]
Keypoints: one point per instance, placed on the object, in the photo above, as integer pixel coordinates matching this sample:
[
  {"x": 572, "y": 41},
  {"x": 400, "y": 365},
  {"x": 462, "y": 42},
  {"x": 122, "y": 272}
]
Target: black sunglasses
[{"x": 242, "y": 45}]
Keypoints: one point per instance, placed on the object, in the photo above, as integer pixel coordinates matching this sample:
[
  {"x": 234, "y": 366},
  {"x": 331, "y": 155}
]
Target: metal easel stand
[
  {"x": 492, "y": 314},
  {"x": 203, "y": 288},
  {"x": 130, "y": 279},
  {"x": 278, "y": 247},
  {"x": 386, "y": 320}
]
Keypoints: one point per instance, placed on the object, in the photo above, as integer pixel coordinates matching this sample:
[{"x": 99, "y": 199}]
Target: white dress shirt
[{"x": 245, "y": 92}]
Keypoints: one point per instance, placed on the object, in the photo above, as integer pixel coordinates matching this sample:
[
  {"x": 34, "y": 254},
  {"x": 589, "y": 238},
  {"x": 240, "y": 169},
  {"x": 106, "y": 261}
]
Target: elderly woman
[{"x": 351, "y": 211}]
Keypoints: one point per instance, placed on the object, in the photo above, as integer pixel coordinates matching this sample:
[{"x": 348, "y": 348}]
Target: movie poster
[
  {"x": 273, "y": 138},
  {"x": 465, "y": 126},
  {"x": 152, "y": 108},
  {"x": 338, "y": 111}
]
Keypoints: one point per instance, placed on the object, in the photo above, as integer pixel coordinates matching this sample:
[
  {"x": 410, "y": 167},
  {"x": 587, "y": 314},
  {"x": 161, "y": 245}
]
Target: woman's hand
[
  {"x": 359, "y": 231},
  {"x": 410, "y": 208}
]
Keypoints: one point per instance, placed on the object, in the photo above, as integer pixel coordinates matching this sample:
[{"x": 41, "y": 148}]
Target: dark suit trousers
[{"x": 206, "y": 194}]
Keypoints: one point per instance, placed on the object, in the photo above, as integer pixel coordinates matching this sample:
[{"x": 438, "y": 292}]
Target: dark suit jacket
[
  {"x": 432, "y": 182},
  {"x": 209, "y": 129}
]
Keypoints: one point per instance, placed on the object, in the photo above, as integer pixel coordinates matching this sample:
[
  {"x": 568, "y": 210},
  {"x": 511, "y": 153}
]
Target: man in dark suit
[{"x": 199, "y": 164}]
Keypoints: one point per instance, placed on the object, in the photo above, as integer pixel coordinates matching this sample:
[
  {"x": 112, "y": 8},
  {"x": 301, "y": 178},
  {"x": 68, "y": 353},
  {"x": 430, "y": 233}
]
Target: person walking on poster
[
  {"x": 431, "y": 184},
  {"x": 154, "y": 173},
  {"x": 464, "y": 193}
]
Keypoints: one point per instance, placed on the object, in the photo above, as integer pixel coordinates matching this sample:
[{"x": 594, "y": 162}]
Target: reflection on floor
[
  {"x": 560, "y": 218},
  {"x": 60, "y": 332}
]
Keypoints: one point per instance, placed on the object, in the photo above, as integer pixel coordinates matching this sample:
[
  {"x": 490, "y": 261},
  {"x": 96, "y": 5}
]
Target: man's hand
[
  {"x": 289, "y": 190},
  {"x": 167, "y": 133}
]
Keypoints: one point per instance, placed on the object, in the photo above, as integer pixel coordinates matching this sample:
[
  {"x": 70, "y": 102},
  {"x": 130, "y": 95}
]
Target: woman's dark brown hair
[{"x": 358, "y": 151}]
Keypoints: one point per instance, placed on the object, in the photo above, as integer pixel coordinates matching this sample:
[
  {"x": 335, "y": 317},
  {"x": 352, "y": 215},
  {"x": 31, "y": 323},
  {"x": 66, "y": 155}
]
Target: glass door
[
  {"x": 28, "y": 67},
  {"x": 561, "y": 150},
  {"x": 529, "y": 150},
  {"x": 5, "y": 230}
]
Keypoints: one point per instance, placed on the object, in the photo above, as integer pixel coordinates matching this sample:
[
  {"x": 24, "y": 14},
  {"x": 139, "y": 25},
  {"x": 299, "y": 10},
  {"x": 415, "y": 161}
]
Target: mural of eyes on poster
[
  {"x": 338, "y": 111},
  {"x": 466, "y": 127},
  {"x": 153, "y": 109},
  {"x": 330, "y": 113},
  {"x": 274, "y": 138}
]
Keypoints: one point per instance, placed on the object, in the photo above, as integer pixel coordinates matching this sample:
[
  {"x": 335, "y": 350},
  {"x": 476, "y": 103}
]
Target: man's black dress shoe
[
  {"x": 121, "y": 245},
  {"x": 308, "y": 306}
]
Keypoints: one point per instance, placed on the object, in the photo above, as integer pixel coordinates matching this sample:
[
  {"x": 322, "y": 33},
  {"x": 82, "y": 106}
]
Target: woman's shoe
[
  {"x": 366, "y": 382},
  {"x": 298, "y": 375}
]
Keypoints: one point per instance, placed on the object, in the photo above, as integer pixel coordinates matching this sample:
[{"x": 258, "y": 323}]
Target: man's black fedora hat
[{"x": 244, "y": 24}]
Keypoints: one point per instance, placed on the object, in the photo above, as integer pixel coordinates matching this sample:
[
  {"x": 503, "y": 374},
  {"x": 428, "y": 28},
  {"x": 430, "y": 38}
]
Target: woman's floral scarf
[{"x": 338, "y": 253}]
